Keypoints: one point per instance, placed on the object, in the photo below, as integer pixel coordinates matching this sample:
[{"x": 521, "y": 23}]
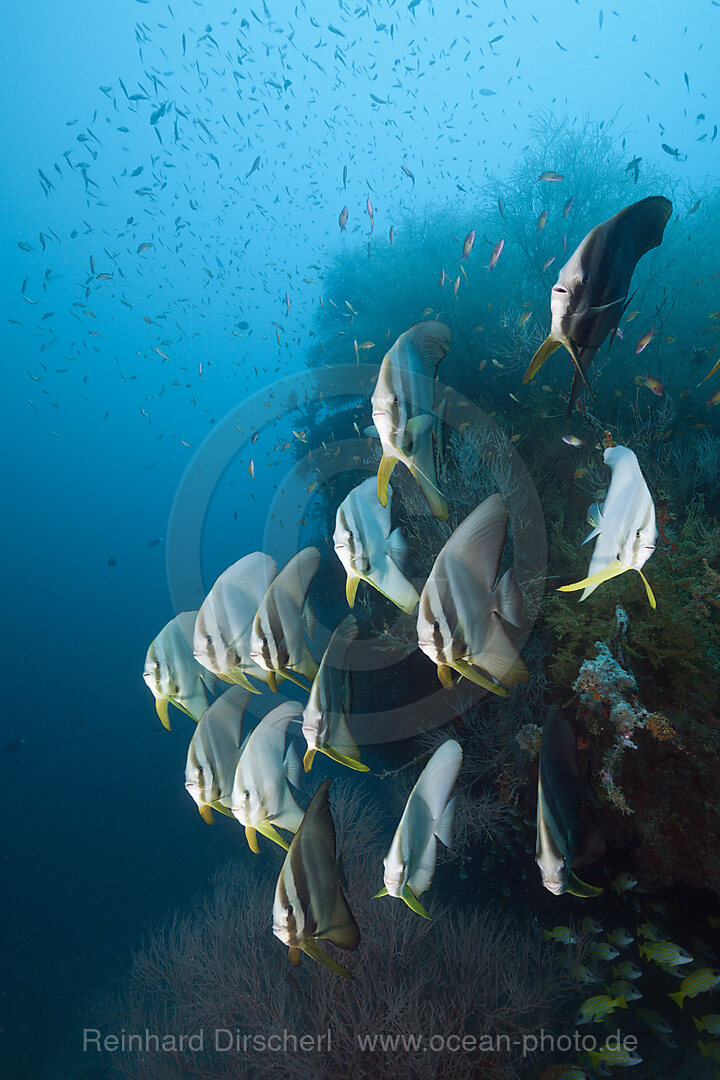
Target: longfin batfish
[
  {"x": 369, "y": 549},
  {"x": 464, "y": 610},
  {"x": 591, "y": 292},
  {"x": 403, "y": 412},
  {"x": 325, "y": 719},
  {"x": 172, "y": 673},
  {"x": 261, "y": 799},
  {"x": 410, "y": 863},
  {"x": 310, "y": 904},
  {"x": 214, "y": 753},
  {"x": 567, "y": 836},
  {"x": 626, "y": 530},
  {"x": 221, "y": 640}
]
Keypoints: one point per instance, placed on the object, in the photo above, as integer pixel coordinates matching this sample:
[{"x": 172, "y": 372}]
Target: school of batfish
[{"x": 254, "y": 626}]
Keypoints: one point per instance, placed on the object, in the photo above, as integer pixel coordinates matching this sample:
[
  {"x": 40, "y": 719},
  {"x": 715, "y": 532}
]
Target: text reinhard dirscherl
[{"x": 227, "y": 1040}]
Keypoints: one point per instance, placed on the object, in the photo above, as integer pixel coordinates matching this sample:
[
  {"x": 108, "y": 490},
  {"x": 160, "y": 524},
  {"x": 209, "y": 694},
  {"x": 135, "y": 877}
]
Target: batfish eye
[
  {"x": 289, "y": 911},
  {"x": 395, "y": 399},
  {"x": 208, "y": 639},
  {"x": 246, "y": 794},
  {"x": 584, "y": 278},
  {"x": 264, "y": 643},
  {"x": 637, "y": 534},
  {"x": 157, "y": 665},
  {"x": 436, "y": 627}
]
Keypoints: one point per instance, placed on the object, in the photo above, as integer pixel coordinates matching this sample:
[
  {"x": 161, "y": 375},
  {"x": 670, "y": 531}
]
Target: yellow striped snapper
[
  {"x": 277, "y": 641},
  {"x": 626, "y": 531},
  {"x": 613, "y": 1056},
  {"x": 402, "y": 409},
  {"x": 260, "y": 797},
  {"x": 221, "y": 641},
  {"x": 626, "y": 970},
  {"x": 655, "y": 1021},
  {"x": 620, "y": 937},
  {"x": 214, "y": 752},
  {"x": 464, "y": 608},
  {"x": 410, "y": 863},
  {"x": 310, "y": 904},
  {"x": 325, "y": 719},
  {"x": 597, "y": 1008},
  {"x": 697, "y": 982},
  {"x": 623, "y": 988},
  {"x": 709, "y": 1023},
  {"x": 665, "y": 952},
  {"x": 368, "y": 549},
  {"x": 173, "y": 674}
]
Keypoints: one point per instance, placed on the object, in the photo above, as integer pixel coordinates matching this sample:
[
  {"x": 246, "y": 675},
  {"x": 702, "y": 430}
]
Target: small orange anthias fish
[
  {"x": 542, "y": 220},
  {"x": 468, "y": 244},
  {"x": 568, "y": 206},
  {"x": 651, "y": 382},
  {"x": 552, "y": 177},
  {"x": 343, "y": 217},
  {"x": 714, "y": 400},
  {"x": 645, "y": 340}
]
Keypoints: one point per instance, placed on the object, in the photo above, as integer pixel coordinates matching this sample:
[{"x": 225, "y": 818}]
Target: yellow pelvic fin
[
  {"x": 313, "y": 950},
  {"x": 445, "y": 675},
  {"x": 463, "y": 667},
  {"x": 308, "y": 760},
  {"x": 383, "y": 892},
  {"x": 548, "y": 347},
  {"x": 251, "y": 837},
  {"x": 576, "y": 887},
  {"x": 272, "y": 834},
  {"x": 614, "y": 569},
  {"x": 272, "y": 681},
  {"x": 239, "y": 678},
  {"x": 350, "y": 589},
  {"x": 206, "y": 813},
  {"x": 161, "y": 708},
  {"x": 343, "y": 759},
  {"x": 383, "y": 477},
  {"x": 294, "y": 678},
  {"x": 412, "y": 902},
  {"x": 648, "y": 590}
]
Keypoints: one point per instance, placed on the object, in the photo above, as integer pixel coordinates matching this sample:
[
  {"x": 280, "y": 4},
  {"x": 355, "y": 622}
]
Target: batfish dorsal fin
[{"x": 432, "y": 341}]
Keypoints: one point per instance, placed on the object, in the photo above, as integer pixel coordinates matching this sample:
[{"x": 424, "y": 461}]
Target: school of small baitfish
[{"x": 254, "y": 624}]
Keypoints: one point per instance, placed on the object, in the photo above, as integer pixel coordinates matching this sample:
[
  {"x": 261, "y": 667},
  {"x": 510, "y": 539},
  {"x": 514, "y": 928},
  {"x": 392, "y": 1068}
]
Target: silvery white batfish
[
  {"x": 464, "y": 608},
  {"x": 173, "y": 674},
  {"x": 591, "y": 292},
  {"x": 277, "y": 641},
  {"x": 427, "y": 818},
  {"x": 221, "y": 640},
  {"x": 310, "y": 904},
  {"x": 567, "y": 836},
  {"x": 402, "y": 409},
  {"x": 368, "y": 549},
  {"x": 261, "y": 799},
  {"x": 325, "y": 719},
  {"x": 214, "y": 753},
  {"x": 626, "y": 531}
]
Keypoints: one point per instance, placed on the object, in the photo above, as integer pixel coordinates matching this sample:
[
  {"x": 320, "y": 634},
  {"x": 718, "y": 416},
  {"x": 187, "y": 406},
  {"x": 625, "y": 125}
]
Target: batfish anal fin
[
  {"x": 413, "y": 903},
  {"x": 313, "y": 950},
  {"x": 576, "y": 887}
]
